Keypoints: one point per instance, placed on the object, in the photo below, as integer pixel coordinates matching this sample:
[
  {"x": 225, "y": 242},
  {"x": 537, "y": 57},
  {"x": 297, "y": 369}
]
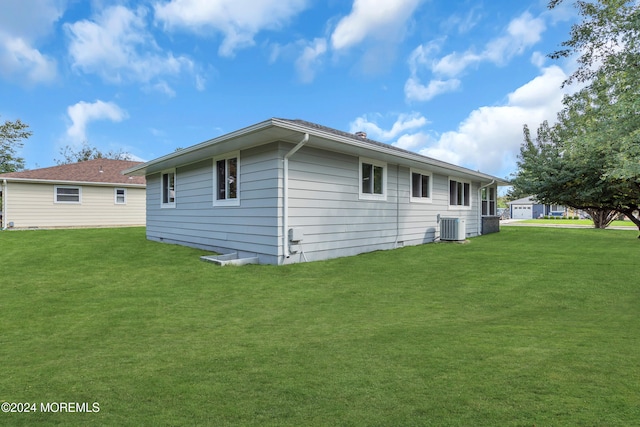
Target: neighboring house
[
  {"x": 530, "y": 208},
  {"x": 92, "y": 193},
  {"x": 287, "y": 191}
]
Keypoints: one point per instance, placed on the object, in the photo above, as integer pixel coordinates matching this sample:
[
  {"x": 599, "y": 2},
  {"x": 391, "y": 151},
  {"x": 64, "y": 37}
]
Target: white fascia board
[{"x": 63, "y": 182}]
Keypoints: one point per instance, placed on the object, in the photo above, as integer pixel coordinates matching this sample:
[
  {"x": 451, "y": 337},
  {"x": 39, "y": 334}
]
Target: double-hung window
[
  {"x": 226, "y": 180},
  {"x": 489, "y": 201},
  {"x": 373, "y": 180},
  {"x": 67, "y": 194},
  {"x": 169, "y": 189},
  {"x": 420, "y": 186},
  {"x": 120, "y": 195},
  {"x": 459, "y": 193}
]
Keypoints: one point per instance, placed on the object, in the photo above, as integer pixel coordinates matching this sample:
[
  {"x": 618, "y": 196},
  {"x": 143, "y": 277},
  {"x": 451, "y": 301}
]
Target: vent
[{"x": 452, "y": 229}]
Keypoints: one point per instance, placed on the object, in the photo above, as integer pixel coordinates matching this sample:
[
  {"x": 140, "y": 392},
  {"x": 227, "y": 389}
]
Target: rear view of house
[
  {"x": 93, "y": 193},
  {"x": 284, "y": 191}
]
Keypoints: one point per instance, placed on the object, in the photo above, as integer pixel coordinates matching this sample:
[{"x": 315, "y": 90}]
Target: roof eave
[
  {"x": 156, "y": 165},
  {"x": 392, "y": 152},
  {"x": 67, "y": 182}
]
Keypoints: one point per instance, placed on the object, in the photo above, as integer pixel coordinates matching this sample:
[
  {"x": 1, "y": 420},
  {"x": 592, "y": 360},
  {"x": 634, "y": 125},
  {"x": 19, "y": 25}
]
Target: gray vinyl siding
[
  {"x": 324, "y": 204},
  {"x": 249, "y": 229}
]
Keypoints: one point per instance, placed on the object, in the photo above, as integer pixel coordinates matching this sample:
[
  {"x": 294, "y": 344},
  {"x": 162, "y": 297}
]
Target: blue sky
[{"x": 454, "y": 80}]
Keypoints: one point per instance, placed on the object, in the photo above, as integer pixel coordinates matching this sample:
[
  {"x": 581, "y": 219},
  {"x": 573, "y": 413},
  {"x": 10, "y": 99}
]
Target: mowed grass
[
  {"x": 529, "y": 326},
  {"x": 585, "y": 222}
]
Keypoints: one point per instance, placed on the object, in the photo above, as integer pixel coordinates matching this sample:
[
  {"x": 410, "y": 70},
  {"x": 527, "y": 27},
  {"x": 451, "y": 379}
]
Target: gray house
[
  {"x": 285, "y": 191},
  {"x": 530, "y": 208}
]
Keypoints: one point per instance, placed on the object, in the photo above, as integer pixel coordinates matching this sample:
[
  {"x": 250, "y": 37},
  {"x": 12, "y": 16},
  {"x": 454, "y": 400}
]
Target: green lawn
[
  {"x": 585, "y": 222},
  {"x": 529, "y": 326}
]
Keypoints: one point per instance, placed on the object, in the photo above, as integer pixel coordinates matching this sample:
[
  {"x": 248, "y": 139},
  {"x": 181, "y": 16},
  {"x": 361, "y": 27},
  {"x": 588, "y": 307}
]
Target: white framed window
[
  {"x": 489, "y": 201},
  {"x": 120, "y": 196},
  {"x": 459, "y": 194},
  {"x": 373, "y": 179},
  {"x": 168, "y": 189},
  {"x": 67, "y": 194},
  {"x": 421, "y": 186},
  {"x": 226, "y": 182}
]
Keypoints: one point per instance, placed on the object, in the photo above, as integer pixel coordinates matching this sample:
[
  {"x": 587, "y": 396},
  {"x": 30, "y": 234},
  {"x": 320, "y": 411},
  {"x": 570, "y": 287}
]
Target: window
[
  {"x": 120, "y": 196},
  {"x": 226, "y": 184},
  {"x": 67, "y": 194},
  {"x": 459, "y": 193},
  {"x": 373, "y": 180},
  {"x": 169, "y": 189},
  {"x": 420, "y": 186},
  {"x": 489, "y": 201}
]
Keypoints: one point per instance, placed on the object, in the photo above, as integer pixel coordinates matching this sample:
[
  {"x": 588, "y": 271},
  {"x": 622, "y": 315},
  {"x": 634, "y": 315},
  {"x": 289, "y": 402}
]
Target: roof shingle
[{"x": 104, "y": 171}]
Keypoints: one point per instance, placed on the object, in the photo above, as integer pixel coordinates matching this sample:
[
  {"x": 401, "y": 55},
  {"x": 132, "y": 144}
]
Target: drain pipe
[
  {"x": 285, "y": 196},
  {"x": 480, "y": 204},
  {"x": 4, "y": 205}
]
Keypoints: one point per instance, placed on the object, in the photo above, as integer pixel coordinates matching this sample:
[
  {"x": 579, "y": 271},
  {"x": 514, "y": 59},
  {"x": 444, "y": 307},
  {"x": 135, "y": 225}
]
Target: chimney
[{"x": 361, "y": 135}]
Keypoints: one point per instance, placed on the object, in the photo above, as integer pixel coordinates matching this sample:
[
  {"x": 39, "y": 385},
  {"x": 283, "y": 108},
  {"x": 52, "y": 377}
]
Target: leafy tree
[
  {"x": 87, "y": 152},
  {"x": 607, "y": 43},
  {"x": 560, "y": 174},
  {"x": 590, "y": 159},
  {"x": 11, "y": 136}
]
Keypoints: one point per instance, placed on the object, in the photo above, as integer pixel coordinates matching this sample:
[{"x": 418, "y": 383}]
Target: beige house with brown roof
[{"x": 93, "y": 193}]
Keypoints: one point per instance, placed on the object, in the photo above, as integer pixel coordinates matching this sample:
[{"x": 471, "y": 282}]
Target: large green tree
[
  {"x": 12, "y": 135},
  {"x": 590, "y": 159},
  {"x": 607, "y": 45}
]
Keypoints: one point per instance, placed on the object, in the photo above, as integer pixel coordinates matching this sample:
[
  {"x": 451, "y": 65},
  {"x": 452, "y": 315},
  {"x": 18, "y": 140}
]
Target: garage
[{"x": 521, "y": 211}]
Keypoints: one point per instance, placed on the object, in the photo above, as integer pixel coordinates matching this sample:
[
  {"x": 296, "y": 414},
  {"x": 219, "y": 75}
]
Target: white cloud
[
  {"x": 413, "y": 141},
  {"x": 310, "y": 59},
  {"x": 521, "y": 33},
  {"x": 463, "y": 24},
  {"x": 18, "y": 58},
  {"x": 82, "y": 113},
  {"x": 201, "y": 83},
  {"x": 403, "y": 123},
  {"x": 538, "y": 59},
  {"x": 238, "y": 20},
  {"x": 30, "y": 19},
  {"x": 117, "y": 46},
  {"x": 416, "y": 91},
  {"x": 22, "y": 25},
  {"x": 490, "y": 137},
  {"x": 380, "y": 19}
]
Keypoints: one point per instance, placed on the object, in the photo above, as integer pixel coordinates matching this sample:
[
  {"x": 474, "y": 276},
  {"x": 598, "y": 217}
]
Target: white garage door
[{"x": 522, "y": 212}]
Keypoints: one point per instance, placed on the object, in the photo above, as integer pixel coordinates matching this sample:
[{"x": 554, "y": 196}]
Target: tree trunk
[
  {"x": 630, "y": 214},
  {"x": 601, "y": 217}
]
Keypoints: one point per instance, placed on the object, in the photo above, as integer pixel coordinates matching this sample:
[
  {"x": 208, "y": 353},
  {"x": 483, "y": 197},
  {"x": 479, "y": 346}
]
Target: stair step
[{"x": 229, "y": 259}]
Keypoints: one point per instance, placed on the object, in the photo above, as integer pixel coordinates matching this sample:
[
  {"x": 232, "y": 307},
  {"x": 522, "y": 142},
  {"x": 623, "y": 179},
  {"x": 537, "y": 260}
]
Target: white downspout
[
  {"x": 285, "y": 196},
  {"x": 480, "y": 204},
  {"x": 3, "y": 208}
]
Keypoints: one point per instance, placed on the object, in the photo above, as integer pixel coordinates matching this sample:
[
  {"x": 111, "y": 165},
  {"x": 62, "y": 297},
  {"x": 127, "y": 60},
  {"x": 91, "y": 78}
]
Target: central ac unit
[{"x": 452, "y": 229}]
